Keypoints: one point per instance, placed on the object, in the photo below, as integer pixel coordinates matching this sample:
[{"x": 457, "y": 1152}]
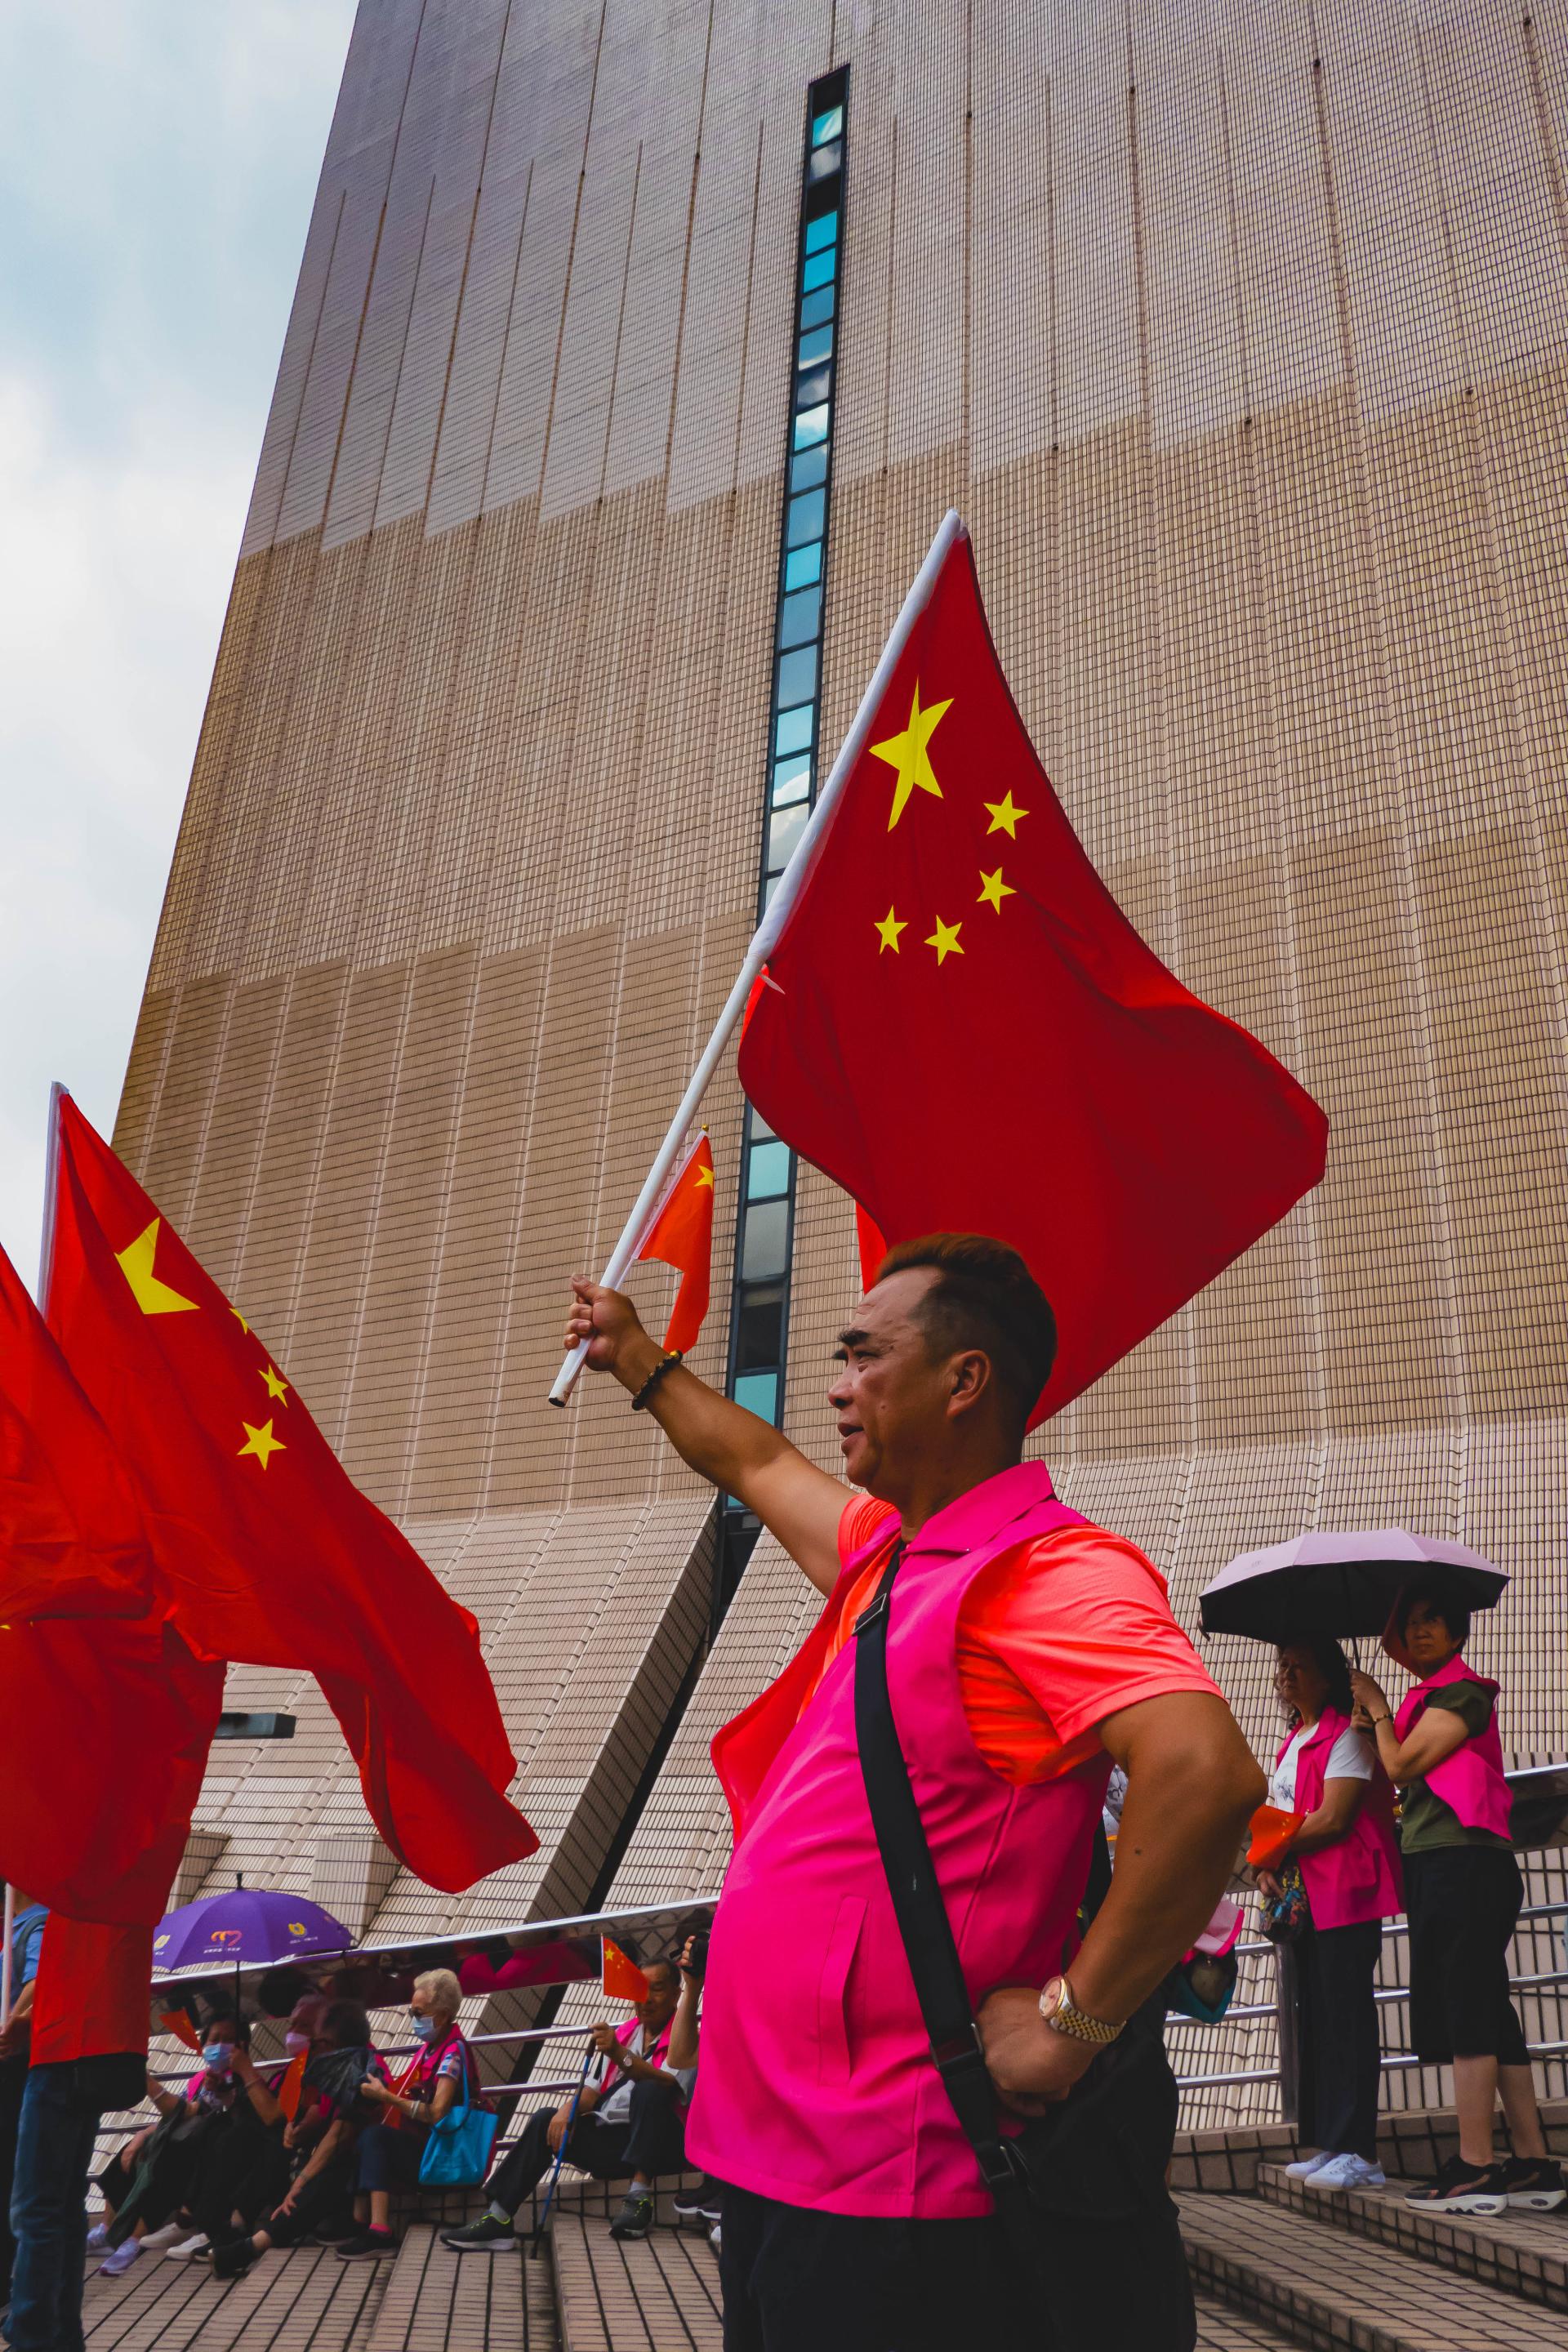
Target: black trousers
[
  {"x": 1462, "y": 1902},
  {"x": 12, "y": 2082},
  {"x": 326, "y": 2196},
  {"x": 1336, "y": 2024},
  {"x": 795, "y": 2280},
  {"x": 652, "y": 2140},
  {"x": 247, "y": 2174}
]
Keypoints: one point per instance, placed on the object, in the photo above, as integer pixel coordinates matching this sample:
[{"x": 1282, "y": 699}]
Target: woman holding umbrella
[
  {"x": 1463, "y": 1893},
  {"x": 1349, "y": 1862}
]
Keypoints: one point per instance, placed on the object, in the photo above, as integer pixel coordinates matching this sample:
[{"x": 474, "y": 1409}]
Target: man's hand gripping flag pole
[{"x": 766, "y": 937}]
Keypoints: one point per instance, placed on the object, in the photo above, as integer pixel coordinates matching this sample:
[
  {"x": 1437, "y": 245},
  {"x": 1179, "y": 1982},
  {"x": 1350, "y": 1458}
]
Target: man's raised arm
[{"x": 744, "y": 1457}]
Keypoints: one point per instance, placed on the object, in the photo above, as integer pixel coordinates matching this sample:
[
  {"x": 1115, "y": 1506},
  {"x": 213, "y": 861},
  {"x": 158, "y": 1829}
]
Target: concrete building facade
[{"x": 1236, "y": 331}]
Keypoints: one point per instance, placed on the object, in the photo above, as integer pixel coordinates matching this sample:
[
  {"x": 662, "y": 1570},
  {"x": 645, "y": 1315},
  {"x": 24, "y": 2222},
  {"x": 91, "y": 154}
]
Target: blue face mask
[
  {"x": 423, "y": 2029},
  {"x": 216, "y": 2055}
]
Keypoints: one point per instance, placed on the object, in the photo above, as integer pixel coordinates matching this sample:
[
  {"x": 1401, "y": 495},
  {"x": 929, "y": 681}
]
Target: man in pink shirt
[{"x": 1026, "y": 1652}]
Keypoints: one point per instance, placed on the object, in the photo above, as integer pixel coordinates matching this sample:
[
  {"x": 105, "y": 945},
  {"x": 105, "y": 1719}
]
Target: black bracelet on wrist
[{"x": 666, "y": 1363}]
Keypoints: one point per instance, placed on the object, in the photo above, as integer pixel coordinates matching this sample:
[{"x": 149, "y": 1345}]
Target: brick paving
[
  {"x": 658, "y": 2294},
  {"x": 306, "y": 2301},
  {"x": 437, "y": 2301},
  {"x": 1220, "y": 2330},
  {"x": 1331, "y": 2289},
  {"x": 1516, "y": 2253}
]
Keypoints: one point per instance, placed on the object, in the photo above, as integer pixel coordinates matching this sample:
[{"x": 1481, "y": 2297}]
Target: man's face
[
  {"x": 663, "y": 1992},
  {"x": 891, "y": 1398}
]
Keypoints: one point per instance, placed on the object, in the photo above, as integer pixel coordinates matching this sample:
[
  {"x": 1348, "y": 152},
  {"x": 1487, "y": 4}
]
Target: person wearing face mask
[
  {"x": 248, "y": 2170},
  {"x": 389, "y": 2158},
  {"x": 1463, "y": 1892},
  {"x": 333, "y": 2115},
  {"x": 145, "y": 2187}
]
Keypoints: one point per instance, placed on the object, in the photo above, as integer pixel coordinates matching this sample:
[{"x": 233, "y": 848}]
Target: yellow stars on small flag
[
  {"x": 909, "y": 753},
  {"x": 705, "y": 1179},
  {"x": 135, "y": 1263},
  {"x": 993, "y": 889},
  {"x": 888, "y": 932},
  {"x": 277, "y": 1387},
  {"x": 240, "y": 1320},
  {"x": 1005, "y": 815},
  {"x": 944, "y": 940},
  {"x": 262, "y": 1443}
]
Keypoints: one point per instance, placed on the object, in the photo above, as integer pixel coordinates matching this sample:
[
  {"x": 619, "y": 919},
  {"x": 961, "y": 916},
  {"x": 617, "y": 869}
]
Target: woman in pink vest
[
  {"x": 1349, "y": 1861},
  {"x": 1463, "y": 1893}
]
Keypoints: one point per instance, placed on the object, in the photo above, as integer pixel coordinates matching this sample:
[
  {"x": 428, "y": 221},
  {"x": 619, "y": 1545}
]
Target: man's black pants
[
  {"x": 652, "y": 2140},
  {"x": 795, "y": 2280},
  {"x": 1338, "y": 2038},
  {"x": 12, "y": 2082}
]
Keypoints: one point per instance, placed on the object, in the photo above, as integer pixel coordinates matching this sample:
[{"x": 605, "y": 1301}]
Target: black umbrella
[{"x": 1338, "y": 1581}]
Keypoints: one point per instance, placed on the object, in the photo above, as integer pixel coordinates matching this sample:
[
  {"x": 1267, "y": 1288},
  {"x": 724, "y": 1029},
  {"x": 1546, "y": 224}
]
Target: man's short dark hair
[
  {"x": 1443, "y": 1599},
  {"x": 670, "y": 1966},
  {"x": 346, "y": 2025},
  {"x": 984, "y": 1296},
  {"x": 279, "y": 1989}
]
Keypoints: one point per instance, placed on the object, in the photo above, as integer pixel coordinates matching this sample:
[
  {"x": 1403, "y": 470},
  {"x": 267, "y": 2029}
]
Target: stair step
[
  {"x": 486, "y": 2302},
  {"x": 1221, "y": 2329},
  {"x": 1320, "y": 2287},
  {"x": 1518, "y": 2253}
]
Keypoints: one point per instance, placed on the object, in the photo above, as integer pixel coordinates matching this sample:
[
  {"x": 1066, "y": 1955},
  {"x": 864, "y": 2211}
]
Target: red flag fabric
[
  {"x": 267, "y": 1551},
  {"x": 104, "y": 1730},
  {"x": 681, "y": 1235},
  {"x": 92, "y": 1995},
  {"x": 622, "y": 1979},
  {"x": 71, "y": 1539},
  {"x": 966, "y": 1032},
  {"x": 872, "y": 1244}
]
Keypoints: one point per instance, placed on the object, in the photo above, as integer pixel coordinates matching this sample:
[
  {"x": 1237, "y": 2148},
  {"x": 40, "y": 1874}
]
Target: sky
[{"x": 158, "y": 160}]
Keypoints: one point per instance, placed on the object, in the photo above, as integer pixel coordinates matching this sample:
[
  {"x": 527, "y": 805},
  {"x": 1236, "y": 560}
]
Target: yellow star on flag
[
  {"x": 135, "y": 1263},
  {"x": 705, "y": 1178},
  {"x": 910, "y": 754},
  {"x": 944, "y": 940},
  {"x": 240, "y": 1320},
  {"x": 1005, "y": 814},
  {"x": 993, "y": 889},
  {"x": 276, "y": 1385},
  {"x": 888, "y": 932},
  {"x": 261, "y": 1442}
]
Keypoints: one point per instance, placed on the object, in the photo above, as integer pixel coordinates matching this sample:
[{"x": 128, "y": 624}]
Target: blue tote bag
[{"x": 458, "y": 2153}]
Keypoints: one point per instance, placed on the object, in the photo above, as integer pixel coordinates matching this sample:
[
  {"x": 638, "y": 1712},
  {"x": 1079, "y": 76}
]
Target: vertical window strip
[{"x": 764, "y": 1227}]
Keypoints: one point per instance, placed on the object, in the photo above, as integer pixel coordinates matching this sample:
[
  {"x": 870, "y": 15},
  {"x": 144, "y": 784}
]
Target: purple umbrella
[
  {"x": 1344, "y": 1582},
  {"x": 246, "y": 1928}
]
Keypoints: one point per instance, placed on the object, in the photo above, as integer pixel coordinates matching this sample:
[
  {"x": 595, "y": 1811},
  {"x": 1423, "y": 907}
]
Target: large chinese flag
[
  {"x": 267, "y": 1550},
  {"x": 71, "y": 1539},
  {"x": 681, "y": 1235},
  {"x": 965, "y": 1031}
]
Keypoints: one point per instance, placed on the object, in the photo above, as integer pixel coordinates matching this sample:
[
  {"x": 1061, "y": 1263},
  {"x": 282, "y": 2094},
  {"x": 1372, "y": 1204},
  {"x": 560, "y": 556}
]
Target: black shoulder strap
[{"x": 927, "y": 1934}]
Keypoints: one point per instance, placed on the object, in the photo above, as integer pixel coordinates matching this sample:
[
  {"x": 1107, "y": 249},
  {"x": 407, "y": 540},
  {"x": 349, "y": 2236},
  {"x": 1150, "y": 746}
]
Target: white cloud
[{"x": 156, "y": 170}]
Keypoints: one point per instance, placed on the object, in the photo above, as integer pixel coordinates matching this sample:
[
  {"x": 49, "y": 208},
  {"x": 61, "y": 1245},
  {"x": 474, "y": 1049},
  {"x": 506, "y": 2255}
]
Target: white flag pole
[
  {"x": 765, "y": 938},
  {"x": 58, "y": 1091},
  {"x": 5, "y": 1963}
]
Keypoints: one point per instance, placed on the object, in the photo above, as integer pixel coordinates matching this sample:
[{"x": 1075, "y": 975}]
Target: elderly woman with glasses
[{"x": 443, "y": 2072}]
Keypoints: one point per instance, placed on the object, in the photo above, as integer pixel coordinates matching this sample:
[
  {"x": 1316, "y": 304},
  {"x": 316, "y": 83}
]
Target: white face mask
[
  {"x": 215, "y": 2056},
  {"x": 296, "y": 2044}
]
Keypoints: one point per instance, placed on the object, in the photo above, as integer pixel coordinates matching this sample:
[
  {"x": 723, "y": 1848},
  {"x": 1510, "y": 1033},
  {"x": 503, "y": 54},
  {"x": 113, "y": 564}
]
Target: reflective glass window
[
  {"x": 764, "y": 1250},
  {"x": 800, "y": 618},
  {"x": 767, "y": 1176},
  {"x": 759, "y": 1392},
  {"x": 818, "y": 307},
  {"x": 809, "y": 468},
  {"x": 792, "y": 732},
  {"x": 803, "y": 565},
  {"x": 757, "y": 1127},
  {"x": 784, "y": 828},
  {"x": 759, "y": 1335},
  {"x": 807, "y": 519},
  {"x": 811, "y": 425},
  {"x": 818, "y": 269},
  {"x": 814, "y": 347},
  {"x": 813, "y": 386},
  {"x": 824, "y": 163},
  {"x": 792, "y": 782},
  {"x": 827, "y": 125},
  {"x": 796, "y": 676},
  {"x": 822, "y": 231}
]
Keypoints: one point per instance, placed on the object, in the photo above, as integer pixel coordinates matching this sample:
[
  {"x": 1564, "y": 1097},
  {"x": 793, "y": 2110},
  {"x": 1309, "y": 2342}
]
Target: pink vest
[
  {"x": 657, "y": 2055},
  {"x": 814, "y": 2085},
  {"x": 1359, "y": 1877},
  {"x": 1471, "y": 1781}
]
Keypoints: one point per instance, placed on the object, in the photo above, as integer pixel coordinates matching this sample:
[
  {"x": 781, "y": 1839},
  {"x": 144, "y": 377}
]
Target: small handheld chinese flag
[
  {"x": 964, "y": 1030},
  {"x": 623, "y": 1980},
  {"x": 681, "y": 1235}
]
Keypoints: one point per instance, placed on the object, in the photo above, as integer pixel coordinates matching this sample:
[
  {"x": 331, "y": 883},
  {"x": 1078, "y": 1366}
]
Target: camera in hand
[{"x": 697, "y": 1966}]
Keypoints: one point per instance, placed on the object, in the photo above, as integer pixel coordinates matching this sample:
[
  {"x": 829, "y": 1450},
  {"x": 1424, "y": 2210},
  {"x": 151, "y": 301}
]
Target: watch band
[{"x": 1064, "y": 2016}]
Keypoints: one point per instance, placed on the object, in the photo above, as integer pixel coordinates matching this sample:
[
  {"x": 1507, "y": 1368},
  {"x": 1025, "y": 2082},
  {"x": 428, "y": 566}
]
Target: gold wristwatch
[{"x": 1062, "y": 2013}]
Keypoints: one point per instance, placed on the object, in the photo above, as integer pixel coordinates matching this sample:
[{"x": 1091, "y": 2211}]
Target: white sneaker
[
  {"x": 715, "y": 2238},
  {"x": 166, "y": 2233},
  {"x": 1349, "y": 2172},
  {"x": 98, "y": 2237},
  {"x": 120, "y": 2259},
  {"x": 188, "y": 2249},
  {"x": 1306, "y": 2166}
]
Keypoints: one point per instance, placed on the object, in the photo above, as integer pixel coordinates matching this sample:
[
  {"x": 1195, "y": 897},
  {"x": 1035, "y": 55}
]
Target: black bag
[{"x": 1092, "y": 2237}]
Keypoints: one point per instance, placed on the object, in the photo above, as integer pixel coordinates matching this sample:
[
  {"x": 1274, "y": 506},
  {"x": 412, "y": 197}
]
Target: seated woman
[
  {"x": 386, "y": 2160},
  {"x": 1462, "y": 1892},
  {"x": 321, "y": 2140},
  {"x": 250, "y": 2167},
  {"x": 1348, "y": 1856},
  {"x": 145, "y": 2185}
]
